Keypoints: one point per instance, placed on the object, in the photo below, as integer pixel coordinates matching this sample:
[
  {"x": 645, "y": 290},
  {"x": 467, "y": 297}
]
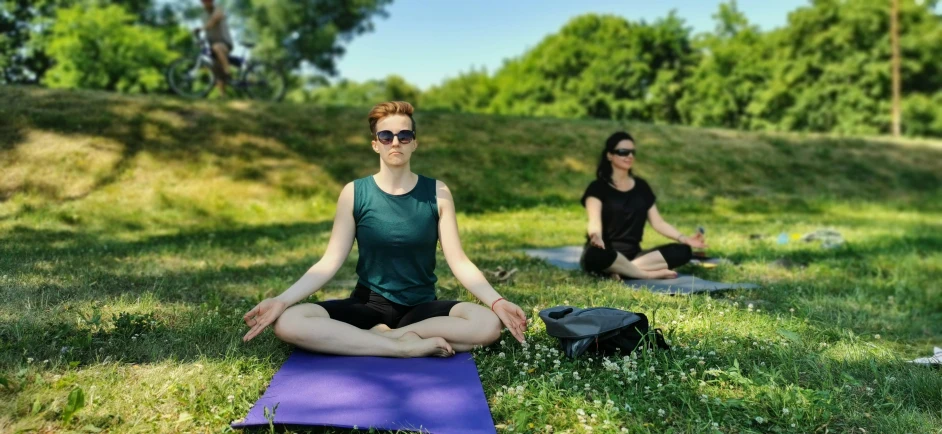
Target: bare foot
[
  {"x": 385, "y": 331},
  {"x": 412, "y": 345},
  {"x": 662, "y": 274}
]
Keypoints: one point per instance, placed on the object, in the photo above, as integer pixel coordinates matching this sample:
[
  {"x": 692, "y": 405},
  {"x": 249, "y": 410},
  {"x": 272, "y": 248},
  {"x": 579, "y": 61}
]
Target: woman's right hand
[
  {"x": 596, "y": 240},
  {"x": 262, "y": 315}
]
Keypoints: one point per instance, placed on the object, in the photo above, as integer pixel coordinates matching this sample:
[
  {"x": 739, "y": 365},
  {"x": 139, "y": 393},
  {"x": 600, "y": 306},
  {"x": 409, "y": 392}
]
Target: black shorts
[
  {"x": 596, "y": 260},
  {"x": 365, "y": 309}
]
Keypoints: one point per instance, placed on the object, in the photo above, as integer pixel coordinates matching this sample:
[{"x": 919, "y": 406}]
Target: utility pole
[{"x": 894, "y": 41}]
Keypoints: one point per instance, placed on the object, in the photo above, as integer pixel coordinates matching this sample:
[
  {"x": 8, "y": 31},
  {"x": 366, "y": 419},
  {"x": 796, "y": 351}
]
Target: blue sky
[{"x": 426, "y": 41}]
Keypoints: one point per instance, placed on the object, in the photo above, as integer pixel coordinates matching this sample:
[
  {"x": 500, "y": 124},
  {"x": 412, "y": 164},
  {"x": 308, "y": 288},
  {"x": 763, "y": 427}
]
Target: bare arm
[
  {"x": 214, "y": 19},
  {"x": 341, "y": 241},
  {"x": 466, "y": 272},
  {"x": 664, "y": 228},
  {"x": 593, "y": 207}
]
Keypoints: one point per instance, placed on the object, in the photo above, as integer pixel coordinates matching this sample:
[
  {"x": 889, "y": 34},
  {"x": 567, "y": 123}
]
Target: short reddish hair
[{"x": 390, "y": 108}]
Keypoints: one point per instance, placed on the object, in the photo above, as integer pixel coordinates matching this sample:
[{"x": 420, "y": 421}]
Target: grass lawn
[{"x": 136, "y": 231}]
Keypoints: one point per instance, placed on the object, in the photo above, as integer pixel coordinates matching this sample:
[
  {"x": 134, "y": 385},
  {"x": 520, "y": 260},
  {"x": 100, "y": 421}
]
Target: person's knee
[
  {"x": 289, "y": 326},
  {"x": 596, "y": 260},
  {"x": 685, "y": 252},
  {"x": 486, "y": 323}
]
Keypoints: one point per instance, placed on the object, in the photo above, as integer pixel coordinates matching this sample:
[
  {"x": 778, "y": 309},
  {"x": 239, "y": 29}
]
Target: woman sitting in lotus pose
[
  {"x": 397, "y": 218},
  {"x": 618, "y": 205}
]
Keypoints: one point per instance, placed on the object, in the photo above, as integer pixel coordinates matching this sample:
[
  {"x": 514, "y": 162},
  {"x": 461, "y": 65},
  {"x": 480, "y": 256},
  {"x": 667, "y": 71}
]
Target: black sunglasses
[
  {"x": 625, "y": 152},
  {"x": 405, "y": 137}
]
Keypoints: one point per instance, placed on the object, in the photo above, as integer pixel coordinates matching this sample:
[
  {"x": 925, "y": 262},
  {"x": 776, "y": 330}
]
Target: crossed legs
[{"x": 309, "y": 326}]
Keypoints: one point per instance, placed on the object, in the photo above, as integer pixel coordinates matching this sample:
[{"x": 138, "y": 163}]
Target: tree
[
  {"x": 829, "y": 68},
  {"x": 366, "y": 94},
  {"x": 733, "y": 67},
  {"x": 599, "y": 66},
  {"x": 470, "y": 92},
  {"x": 26, "y": 25},
  {"x": 100, "y": 47},
  {"x": 306, "y": 31}
]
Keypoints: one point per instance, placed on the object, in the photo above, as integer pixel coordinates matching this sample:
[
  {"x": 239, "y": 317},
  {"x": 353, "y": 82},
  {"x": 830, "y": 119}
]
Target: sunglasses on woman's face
[
  {"x": 625, "y": 152},
  {"x": 405, "y": 137}
]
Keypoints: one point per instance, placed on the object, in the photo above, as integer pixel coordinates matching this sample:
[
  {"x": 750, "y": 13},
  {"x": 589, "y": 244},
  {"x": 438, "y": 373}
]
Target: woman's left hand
[
  {"x": 513, "y": 318},
  {"x": 697, "y": 241}
]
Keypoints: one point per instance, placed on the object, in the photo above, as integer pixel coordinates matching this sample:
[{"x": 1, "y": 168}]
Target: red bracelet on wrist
[{"x": 495, "y": 302}]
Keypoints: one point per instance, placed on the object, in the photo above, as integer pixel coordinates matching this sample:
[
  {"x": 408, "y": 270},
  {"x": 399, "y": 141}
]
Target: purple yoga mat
[{"x": 422, "y": 394}]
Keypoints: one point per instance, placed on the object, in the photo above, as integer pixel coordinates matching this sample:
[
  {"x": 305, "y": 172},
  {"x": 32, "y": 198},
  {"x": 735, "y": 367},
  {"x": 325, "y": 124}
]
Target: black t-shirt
[{"x": 623, "y": 214}]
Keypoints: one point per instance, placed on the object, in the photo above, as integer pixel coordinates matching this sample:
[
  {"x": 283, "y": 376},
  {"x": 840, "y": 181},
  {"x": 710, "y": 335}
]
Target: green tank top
[{"x": 397, "y": 236}]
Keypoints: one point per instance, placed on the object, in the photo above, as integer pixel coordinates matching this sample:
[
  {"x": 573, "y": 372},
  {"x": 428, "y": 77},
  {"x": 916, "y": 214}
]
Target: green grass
[{"x": 135, "y": 232}]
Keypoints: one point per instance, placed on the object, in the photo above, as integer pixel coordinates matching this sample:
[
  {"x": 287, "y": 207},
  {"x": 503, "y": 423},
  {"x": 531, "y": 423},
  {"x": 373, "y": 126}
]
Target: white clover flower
[
  {"x": 501, "y": 355},
  {"x": 785, "y": 411},
  {"x": 29, "y": 360},
  {"x": 230, "y": 398},
  {"x": 580, "y": 412},
  {"x": 760, "y": 420},
  {"x": 876, "y": 336},
  {"x": 661, "y": 412}
]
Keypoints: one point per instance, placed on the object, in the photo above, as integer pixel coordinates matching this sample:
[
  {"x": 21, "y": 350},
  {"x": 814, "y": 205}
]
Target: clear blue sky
[{"x": 426, "y": 41}]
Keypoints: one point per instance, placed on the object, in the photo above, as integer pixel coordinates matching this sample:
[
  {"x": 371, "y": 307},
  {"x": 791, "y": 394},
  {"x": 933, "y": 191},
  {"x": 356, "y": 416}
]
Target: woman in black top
[{"x": 618, "y": 204}]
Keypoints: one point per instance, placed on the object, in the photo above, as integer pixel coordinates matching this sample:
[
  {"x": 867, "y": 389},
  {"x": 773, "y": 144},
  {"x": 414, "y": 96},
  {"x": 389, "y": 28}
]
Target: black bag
[{"x": 602, "y": 330}]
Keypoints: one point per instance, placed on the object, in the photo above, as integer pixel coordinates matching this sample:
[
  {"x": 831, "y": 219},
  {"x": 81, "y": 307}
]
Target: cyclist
[{"x": 217, "y": 33}]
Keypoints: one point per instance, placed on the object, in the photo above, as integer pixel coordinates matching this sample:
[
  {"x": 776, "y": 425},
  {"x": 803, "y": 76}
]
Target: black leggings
[
  {"x": 365, "y": 309},
  {"x": 596, "y": 260}
]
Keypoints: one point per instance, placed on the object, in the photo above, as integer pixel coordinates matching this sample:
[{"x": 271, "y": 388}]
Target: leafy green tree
[
  {"x": 469, "y": 92},
  {"x": 733, "y": 67},
  {"x": 306, "y": 31},
  {"x": 368, "y": 93},
  {"x": 829, "y": 68},
  {"x": 26, "y": 27},
  {"x": 598, "y": 66},
  {"x": 100, "y": 47}
]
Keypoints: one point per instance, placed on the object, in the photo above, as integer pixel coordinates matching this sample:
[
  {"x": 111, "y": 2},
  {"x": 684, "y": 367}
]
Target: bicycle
[{"x": 193, "y": 76}]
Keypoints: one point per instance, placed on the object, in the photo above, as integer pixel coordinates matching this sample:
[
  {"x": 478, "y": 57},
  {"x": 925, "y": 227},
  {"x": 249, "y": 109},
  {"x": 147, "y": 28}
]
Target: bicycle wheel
[
  {"x": 264, "y": 82},
  {"x": 189, "y": 77}
]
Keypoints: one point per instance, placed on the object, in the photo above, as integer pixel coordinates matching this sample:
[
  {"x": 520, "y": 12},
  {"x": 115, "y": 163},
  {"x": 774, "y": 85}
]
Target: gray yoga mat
[{"x": 567, "y": 258}]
